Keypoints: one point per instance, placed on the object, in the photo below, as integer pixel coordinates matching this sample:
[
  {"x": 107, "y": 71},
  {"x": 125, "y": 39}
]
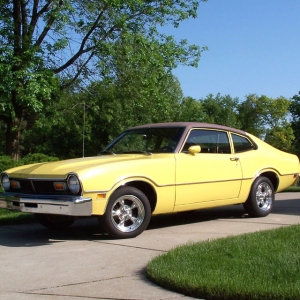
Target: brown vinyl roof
[{"x": 190, "y": 125}]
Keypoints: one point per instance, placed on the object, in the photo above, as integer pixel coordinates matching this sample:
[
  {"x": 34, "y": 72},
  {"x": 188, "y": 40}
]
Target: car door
[{"x": 212, "y": 174}]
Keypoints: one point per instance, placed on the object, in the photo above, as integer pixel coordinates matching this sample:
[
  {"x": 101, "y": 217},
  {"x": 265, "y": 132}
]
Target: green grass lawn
[
  {"x": 261, "y": 265},
  {"x": 10, "y": 217},
  {"x": 293, "y": 189}
]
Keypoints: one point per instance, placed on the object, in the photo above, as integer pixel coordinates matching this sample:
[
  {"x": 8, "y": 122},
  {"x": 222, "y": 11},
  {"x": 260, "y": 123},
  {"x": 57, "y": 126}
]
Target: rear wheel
[
  {"x": 261, "y": 198},
  {"x": 127, "y": 214},
  {"x": 57, "y": 222}
]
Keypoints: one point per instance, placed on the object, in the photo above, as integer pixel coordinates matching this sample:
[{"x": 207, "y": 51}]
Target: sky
[{"x": 253, "y": 48}]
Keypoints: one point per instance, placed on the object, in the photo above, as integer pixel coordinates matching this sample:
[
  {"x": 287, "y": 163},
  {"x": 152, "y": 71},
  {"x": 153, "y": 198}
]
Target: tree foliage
[
  {"x": 190, "y": 110},
  {"x": 74, "y": 73},
  {"x": 281, "y": 137},
  {"x": 268, "y": 118},
  {"x": 262, "y": 116},
  {"x": 250, "y": 117},
  {"x": 86, "y": 119},
  {"x": 221, "y": 110},
  {"x": 295, "y": 122},
  {"x": 46, "y": 46}
]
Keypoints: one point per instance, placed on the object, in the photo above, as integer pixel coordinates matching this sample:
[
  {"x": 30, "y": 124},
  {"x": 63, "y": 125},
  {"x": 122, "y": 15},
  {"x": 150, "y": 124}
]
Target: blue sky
[{"x": 254, "y": 48}]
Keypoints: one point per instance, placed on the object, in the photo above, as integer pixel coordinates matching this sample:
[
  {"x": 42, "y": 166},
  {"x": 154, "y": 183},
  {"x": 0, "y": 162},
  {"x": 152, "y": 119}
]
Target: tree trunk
[
  {"x": 13, "y": 138},
  {"x": 14, "y": 128}
]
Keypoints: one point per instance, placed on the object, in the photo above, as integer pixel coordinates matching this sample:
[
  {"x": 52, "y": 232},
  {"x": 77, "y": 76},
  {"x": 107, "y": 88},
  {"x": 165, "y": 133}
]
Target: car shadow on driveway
[
  {"x": 197, "y": 216},
  {"x": 287, "y": 207},
  {"x": 32, "y": 235}
]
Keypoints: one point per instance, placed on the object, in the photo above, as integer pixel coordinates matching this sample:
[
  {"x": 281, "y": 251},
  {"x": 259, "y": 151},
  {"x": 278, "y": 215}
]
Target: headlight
[
  {"x": 73, "y": 184},
  {"x": 5, "y": 182}
]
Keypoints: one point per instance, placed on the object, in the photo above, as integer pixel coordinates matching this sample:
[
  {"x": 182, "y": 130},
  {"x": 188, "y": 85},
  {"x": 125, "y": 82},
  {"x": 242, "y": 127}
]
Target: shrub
[
  {"x": 7, "y": 163},
  {"x": 32, "y": 158}
]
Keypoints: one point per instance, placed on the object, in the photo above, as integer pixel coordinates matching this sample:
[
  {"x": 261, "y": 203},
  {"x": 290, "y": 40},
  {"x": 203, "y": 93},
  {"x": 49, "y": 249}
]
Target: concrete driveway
[{"x": 82, "y": 263}]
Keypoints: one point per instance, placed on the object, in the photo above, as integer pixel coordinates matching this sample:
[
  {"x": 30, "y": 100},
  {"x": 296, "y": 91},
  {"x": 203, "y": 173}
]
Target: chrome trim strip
[
  {"x": 212, "y": 181},
  {"x": 129, "y": 179},
  {"x": 266, "y": 169},
  {"x": 45, "y": 178},
  {"x": 32, "y": 186},
  {"x": 96, "y": 191}
]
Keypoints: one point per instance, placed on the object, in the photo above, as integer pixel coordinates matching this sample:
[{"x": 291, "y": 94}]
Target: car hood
[{"x": 80, "y": 166}]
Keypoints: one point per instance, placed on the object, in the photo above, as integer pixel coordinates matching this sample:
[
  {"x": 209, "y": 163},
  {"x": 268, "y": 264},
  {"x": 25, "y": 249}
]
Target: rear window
[{"x": 241, "y": 144}]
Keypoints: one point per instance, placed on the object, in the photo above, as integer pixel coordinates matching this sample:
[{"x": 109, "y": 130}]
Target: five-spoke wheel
[
  {"x": 127, "y": 214},
  {"x": 261, "y": 198}
]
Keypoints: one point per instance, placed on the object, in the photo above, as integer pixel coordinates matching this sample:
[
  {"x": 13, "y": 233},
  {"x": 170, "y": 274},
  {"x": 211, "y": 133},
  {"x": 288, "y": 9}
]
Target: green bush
[
  {"x": 32, "y": 158},
  {"x": 6, "y": 162}
]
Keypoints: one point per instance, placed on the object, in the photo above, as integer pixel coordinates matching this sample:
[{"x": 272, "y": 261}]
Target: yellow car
[{"x": 153, "y": 169}]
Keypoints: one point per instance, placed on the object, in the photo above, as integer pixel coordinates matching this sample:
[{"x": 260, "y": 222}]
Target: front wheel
[
  {"x": 57, "y": 222},
  {"x": 127, "y": 214},
  {"x": 261, "y": 198}
]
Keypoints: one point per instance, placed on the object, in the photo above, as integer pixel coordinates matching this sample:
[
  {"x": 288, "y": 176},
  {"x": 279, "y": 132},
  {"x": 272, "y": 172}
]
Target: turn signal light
[
  {"x": 59, "y": 186},
  {"x": 15, "y": 184}
]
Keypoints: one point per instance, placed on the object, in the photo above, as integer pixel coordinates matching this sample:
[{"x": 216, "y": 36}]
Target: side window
[
  {"x": 241, "y": 144},
  {"x": 211, "y": 141}
]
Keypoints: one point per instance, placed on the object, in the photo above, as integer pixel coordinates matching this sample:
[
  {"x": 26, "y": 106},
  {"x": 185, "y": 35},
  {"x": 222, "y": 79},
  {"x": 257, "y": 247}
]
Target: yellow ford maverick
[{"x": 153, "y": 169}]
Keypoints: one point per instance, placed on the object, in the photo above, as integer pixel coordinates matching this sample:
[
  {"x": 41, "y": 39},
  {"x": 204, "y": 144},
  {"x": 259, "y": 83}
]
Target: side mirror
[{"x": 195, "y": 149}]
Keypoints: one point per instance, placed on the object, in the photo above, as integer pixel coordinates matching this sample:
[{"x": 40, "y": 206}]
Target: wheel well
[
  {"x": 272, "y": 177},
  {"x": 147, "y": 189}
]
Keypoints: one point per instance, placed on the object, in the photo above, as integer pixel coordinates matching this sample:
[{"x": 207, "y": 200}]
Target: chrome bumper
[{"x": 41, "y": 204}]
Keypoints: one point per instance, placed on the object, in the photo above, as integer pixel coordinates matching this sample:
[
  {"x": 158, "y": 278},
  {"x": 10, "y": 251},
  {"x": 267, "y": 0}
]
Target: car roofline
[{"x": 190, "y": 125}]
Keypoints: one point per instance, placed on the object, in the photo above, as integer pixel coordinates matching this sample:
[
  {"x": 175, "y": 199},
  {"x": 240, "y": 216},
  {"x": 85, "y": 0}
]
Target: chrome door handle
[{"x": 234, "y": 158}]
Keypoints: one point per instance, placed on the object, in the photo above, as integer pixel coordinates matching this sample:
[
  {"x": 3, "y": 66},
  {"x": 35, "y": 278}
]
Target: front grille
[
  {"x": 41, "y": 187},
  {"x": 26, "y": 186}
]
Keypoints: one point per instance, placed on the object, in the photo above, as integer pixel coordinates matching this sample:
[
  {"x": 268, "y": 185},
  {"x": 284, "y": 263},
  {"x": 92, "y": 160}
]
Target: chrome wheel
[
  {"x": 264, "y": 196},
  {"x": 261, "y": 198},
  {"x": 127, "y": 213}
]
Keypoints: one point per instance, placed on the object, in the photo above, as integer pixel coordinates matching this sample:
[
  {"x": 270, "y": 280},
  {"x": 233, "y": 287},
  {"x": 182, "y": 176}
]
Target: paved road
[{"x": 83, "y": 264}]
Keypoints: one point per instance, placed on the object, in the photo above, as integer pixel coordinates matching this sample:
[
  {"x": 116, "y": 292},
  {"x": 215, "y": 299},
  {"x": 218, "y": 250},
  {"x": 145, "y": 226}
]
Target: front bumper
[{"x": 42, "y": 204}]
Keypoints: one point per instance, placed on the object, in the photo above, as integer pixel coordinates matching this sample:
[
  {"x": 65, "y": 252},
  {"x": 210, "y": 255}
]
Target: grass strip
[
  {"x": 292, "y": 189},
  {"x": 261, "y": 265},
  {"x": 8, "y": 217}
]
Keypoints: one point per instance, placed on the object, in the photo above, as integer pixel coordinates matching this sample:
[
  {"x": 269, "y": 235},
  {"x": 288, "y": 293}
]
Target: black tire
[
  {"x": 261, "y": 198},
  {"x": 56, "y": 222},
  {"x": 127, "y": 214}
]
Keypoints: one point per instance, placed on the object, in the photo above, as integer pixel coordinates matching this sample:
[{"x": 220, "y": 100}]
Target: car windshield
[{"x": 146, "y": 140}]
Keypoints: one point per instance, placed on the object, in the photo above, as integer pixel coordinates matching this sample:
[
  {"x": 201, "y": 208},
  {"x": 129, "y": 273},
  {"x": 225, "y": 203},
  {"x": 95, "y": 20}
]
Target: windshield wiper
[
  {"x": 137, "y": 152},
  {"x": 105, "y": 152}
]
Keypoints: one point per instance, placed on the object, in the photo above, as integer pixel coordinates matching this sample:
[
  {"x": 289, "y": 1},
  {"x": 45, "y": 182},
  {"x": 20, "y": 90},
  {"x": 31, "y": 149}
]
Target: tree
[
  {"x": 249, "y": 116},
  {"x": 274, "y": 114},
  {"x": 268, "y": 118},
  {"x": 295, "y": 114},
  {"x": 139, "y": 90},
  {"x": 273, "y": 111},
  {"x": 295, "y": 122},
  {"x": 281, "y": 137},
  {"x": 221, "y": 110},
  {"x": 190, "y": 110},
  {"x": 46, "y": 46}
]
